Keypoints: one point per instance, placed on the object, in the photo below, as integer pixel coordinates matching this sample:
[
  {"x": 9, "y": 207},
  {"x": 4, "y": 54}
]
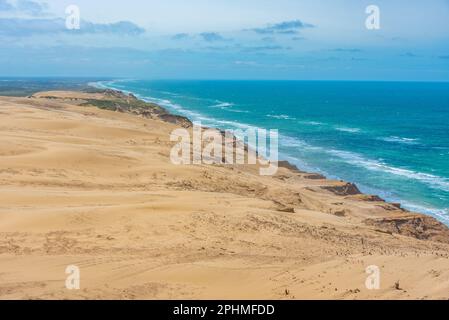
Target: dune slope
[{"x": 95, "y": 188}]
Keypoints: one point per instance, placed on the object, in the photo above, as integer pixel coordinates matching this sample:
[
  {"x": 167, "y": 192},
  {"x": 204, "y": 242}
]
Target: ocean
[{"x": 390, "y": 138}]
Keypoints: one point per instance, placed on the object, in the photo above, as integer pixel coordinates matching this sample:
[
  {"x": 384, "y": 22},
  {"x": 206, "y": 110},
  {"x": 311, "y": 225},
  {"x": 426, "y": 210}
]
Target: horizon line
[{"x": 106, "y": 78}]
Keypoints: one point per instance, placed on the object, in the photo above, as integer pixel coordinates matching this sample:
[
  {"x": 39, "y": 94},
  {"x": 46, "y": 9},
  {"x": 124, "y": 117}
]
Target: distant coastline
[
  {"x": 343, "y": 130},
  {"x": 85, "y": 85}
]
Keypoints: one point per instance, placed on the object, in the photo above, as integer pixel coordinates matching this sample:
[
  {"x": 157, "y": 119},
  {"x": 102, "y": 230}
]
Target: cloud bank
[
  {"x": 28, "y": 7},
  {"x": 18, "y": 27},
  {"x": 212, "y": 36},
  {"x": 286, "y": 27}
]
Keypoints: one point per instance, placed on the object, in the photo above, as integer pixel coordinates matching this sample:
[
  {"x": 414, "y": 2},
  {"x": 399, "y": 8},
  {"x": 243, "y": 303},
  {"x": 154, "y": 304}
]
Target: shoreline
[
  {"x": 399, "y": 203},
  {"x": 89, "y": 182}
]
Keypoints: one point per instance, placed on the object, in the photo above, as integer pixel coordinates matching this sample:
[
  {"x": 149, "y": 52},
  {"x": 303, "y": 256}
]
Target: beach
[{"x": 86, "y": 181}]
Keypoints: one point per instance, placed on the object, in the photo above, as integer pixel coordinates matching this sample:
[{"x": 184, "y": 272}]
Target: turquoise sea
[{"x": 390, "y": 138}]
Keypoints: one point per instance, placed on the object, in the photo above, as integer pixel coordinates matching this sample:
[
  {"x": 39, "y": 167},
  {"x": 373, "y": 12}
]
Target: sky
[{"x": 226, "y": 39}]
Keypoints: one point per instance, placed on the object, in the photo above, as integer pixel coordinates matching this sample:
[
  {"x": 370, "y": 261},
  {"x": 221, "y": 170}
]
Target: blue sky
[{"x": 227, "y": 39}]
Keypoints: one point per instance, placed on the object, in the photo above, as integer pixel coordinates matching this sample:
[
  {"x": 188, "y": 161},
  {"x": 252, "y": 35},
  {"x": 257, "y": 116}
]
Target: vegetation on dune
[{"x": 118, "y": 101}]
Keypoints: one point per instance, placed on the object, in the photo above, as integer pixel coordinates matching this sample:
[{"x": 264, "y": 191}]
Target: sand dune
[{"x": 95, "y": 188}]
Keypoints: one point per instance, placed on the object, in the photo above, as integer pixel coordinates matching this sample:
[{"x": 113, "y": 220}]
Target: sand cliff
[{"x": 85, "y": 179}]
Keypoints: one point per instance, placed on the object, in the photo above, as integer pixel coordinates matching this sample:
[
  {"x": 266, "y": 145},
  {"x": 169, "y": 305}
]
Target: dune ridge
[{"x": 86, "y": 180}]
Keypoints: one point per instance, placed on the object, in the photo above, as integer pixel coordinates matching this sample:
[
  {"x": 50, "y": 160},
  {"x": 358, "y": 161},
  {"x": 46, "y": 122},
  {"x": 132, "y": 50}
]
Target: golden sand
[{"x": 96, "y": 189}]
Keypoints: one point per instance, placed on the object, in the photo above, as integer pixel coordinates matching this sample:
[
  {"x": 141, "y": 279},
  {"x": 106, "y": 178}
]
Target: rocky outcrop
[
  {"x": 288, "y": 165},
  {"x": 413, "y": 225},
  {"x": 344, "y": 189},
  {"x": 175, "y": 119}
]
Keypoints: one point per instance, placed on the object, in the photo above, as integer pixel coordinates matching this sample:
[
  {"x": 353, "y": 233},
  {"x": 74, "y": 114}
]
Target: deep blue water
[{"x": 391, "y": 138}]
